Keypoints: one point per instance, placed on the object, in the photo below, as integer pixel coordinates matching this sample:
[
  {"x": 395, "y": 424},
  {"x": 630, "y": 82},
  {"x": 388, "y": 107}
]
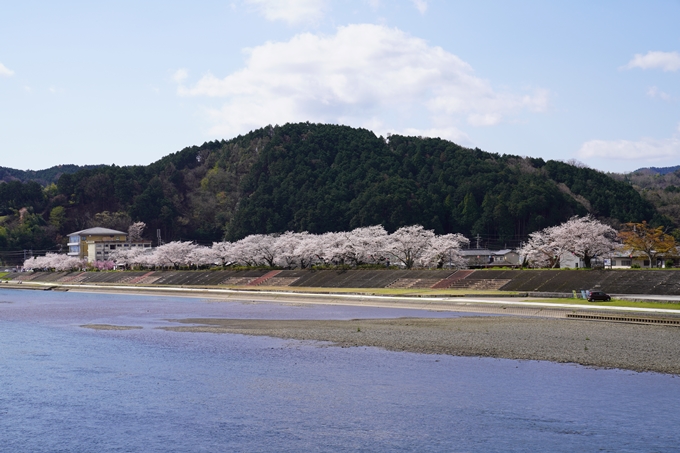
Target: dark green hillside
[
  {"x": 45, "y": 177},
  {"x": 659, "y": 186},
  {"x": 327, "y": 178},
  {"x": 607, "y": 197},
  {"x": 316, "y": 178}
]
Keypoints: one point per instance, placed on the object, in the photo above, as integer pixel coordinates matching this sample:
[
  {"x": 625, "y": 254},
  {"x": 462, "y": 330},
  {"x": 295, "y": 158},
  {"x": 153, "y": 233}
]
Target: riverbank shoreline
[
  {"x": 528, "y": 330},
  {"x": 632, "y": 347},
  {"x": 367, "y": 297}
]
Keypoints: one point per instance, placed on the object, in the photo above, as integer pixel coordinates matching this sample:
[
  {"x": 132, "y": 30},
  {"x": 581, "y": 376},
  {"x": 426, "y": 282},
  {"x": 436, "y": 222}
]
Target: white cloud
[
  {"x": 180, "y": 75},
  {"x": 647, "y": 149},
  {"x": 654, "y": 92},
  {"x": 668, "y": 61},
  {"x": 421, "y": 5},
  {"x": 361, "y": 73},
  {"x": 290, "y": 11},
  {"x": 5, "y": 71}
]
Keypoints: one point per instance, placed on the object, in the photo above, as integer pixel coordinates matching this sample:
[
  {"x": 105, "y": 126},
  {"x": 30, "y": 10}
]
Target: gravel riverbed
[{"x": 591, "y": 343}]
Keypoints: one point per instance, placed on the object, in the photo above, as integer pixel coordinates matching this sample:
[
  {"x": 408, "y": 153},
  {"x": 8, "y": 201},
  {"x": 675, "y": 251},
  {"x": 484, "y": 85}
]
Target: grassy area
[
  {"x": 378, "y": 291},
  {"x": 462, "y": 292},
  {"x": 2, "y": 274},
  {"x": 613, "y": 303}
]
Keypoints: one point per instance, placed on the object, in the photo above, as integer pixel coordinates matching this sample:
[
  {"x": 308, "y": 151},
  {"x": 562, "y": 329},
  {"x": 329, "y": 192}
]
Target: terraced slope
[{"x": 661, "y": 282}]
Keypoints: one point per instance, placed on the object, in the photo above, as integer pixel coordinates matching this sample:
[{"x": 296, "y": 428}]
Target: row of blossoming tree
[
  {"x": 411, "y": 246},
  {"x": 584, "y": 237}
]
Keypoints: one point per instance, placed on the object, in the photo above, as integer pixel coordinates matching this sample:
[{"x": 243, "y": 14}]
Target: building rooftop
[
  {"x": 474, "y": 252},
  {"x": 98, "y": 231}
]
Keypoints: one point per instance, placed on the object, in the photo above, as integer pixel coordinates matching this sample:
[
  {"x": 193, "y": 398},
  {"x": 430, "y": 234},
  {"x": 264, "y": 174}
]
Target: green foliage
[
  {"x": 15, "y": 195},
  {"x": 329, "y": 178},
  {"x": 661, "y": 189},
  {"x": 607, "y": 197},
  {"x": 58, "y": 217},
  {"x": 43, "y": 177},
  {"x": 317, "y": 178}
]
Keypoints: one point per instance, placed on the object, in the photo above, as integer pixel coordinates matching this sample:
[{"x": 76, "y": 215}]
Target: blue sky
[{"x": 128, "y": 82}]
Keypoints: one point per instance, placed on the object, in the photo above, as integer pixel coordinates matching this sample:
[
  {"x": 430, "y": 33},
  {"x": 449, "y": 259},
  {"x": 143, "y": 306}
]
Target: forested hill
[
  {"x": 320, "y": 178},
  {"x": 657, "y": 170},
  {"x": 44, "y": 177}
]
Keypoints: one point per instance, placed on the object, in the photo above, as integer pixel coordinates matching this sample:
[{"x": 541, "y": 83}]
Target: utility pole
[
  {"x": 158, "y": 235},
  {"x": 477, "y": 240}
]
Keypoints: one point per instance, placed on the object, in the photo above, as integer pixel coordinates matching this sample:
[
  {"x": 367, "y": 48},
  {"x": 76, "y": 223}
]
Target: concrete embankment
[{"x": 548, "y": 282}]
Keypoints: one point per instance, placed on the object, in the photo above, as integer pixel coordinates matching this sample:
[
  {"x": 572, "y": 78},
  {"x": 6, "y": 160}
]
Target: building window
[{"x": 626, "y": 262}]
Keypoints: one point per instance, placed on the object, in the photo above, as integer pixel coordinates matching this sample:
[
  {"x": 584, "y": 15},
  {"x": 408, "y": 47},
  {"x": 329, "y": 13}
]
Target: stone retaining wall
[{"x": 660, "y": 282}]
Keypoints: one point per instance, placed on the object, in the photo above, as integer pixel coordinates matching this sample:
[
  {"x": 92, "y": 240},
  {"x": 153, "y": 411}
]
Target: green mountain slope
[
  {"x": 324, "y": 178},
  {"x": 319, "y": 178},
  {"x": 659, "y": 186},
  {"x": 44, "y": 177}
]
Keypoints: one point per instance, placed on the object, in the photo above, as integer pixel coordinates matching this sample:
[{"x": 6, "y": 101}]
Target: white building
[{"x": 96, "y": 244}]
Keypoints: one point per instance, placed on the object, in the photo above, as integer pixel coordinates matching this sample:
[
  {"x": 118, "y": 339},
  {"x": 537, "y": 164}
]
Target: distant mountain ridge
[
  {"x": 658, "y": 170},
  {"x": 43, "y": 177}
]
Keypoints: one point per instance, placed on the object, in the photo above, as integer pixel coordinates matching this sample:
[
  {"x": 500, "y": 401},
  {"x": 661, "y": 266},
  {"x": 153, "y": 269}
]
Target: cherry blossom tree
[
  {"x": 540, "y": 250},
  {"x": 203, "y": 256},
  {"x": 245, "y": 252},
  {"x": 223, "y": 251},
  {"x": 286, "y": 244},
  {"x": 104, "y": 265},
  {"x": 408, "y": 244},
  {"x": 585, "y": 237},
  {"x": 333, "y": 247},
  {"x": 309, "y": 250},
  {"x": 54, "y": 261},
  {"x": 445, "y": 250},
  {"x": 367, "y": 245},
  {"x": 133, "y": 257},
  {"x": 175, "y": 254},
  {"x": 265, "y": 248}
]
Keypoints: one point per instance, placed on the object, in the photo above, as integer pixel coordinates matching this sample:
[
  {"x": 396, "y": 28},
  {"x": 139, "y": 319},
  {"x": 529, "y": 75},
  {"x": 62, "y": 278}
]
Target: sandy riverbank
[
  {"x": 598, "y": 344},
  {"x": 533, "y": 336}
]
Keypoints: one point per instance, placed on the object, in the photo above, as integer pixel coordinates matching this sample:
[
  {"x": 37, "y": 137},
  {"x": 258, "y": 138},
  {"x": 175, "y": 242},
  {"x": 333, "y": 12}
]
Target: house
[
  {"x": 626, "y": 258},
  {"x": 569, "y": 260},
  {"x": 97, "y": 244},
  {"x": 477, "y": 258},
  {"x": 621, "y": 259}
]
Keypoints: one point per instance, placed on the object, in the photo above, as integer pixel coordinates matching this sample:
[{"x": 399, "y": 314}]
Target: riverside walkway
[{"x": 496, "y": 304}]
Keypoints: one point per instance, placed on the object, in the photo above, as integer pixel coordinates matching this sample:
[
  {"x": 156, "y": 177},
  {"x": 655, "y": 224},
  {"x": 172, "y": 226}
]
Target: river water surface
[{"x": 68, "y": 388}]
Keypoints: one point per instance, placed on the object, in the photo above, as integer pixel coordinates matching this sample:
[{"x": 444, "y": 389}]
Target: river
[{"x": 68, "y": 388}]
